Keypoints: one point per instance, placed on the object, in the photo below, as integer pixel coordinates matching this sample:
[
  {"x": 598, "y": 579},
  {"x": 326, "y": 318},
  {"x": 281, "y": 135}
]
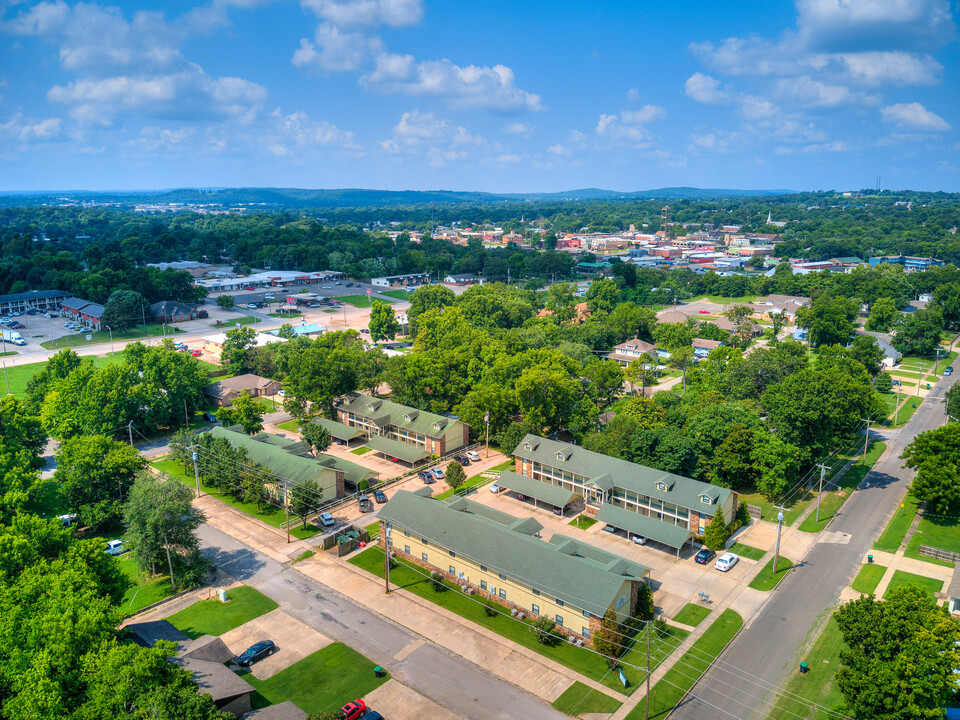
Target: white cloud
[
  {"x": 633, "y": 95},
  {"x": 335, "y": 50},
  {"x": 519, "y": 128},
  {"x": 753, "y": 107},
  {"x": 131, "y": 66},
  {"x": 299, "y": 129},
  {"x": 27, "y": 131},
  {"x": 369, "y": 13},
  {"x": 627, "y": 128},
  {"x": 489, "y": 88},
  {"x": 717, "y": 141},
  {"x": 874, "y": 24},
  {"x": 893, "y": 68},
  {"x": 706, "y": 90},
  {"x": 914, "y": 116},
  {"x": 432, "y": 136},
  {"x": 807, "y": 92}
]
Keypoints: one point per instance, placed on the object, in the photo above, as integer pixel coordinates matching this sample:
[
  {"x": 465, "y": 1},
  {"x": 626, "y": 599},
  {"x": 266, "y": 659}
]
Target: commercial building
[
  {"x": 500, "y": 557},
  {"x": 398, "y": 281},
  {"x": 267, "y": 279},
  {"x": 172, "y": 311},
  {"x": 213, "y": 344},
  {"x": 463, "y": 279},
  {"x": 41, "y": 300},
  {"x": 660, "y": 506},
  {"x": 400, "y": 432},
  {"x": 910, "y": 263},
  {"x": 196, "y": 269}
]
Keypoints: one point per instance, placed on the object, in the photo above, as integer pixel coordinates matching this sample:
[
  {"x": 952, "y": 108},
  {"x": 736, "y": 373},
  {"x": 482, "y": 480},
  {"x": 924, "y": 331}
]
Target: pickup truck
[{"x": 366, "y": 504}]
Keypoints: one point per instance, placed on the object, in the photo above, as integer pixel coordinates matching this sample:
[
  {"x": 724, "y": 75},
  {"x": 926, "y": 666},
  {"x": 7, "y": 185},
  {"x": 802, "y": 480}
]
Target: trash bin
[
  {"x": 378, "y": 672},
  {"x": 804, "y": 667},
  {"x": 869, "y": 559}
]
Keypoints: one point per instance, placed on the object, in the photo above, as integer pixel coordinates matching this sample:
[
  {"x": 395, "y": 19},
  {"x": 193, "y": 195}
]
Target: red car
[
  {"x": 196, "y": 353},
  {"x": 354, "y": 710}
]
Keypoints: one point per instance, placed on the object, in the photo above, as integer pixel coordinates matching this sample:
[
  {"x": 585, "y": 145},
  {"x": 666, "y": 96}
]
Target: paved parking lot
[{"x": 294, "y": 641}]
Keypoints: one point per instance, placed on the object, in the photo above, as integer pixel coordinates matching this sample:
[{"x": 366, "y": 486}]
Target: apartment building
[
  {"x": 501, "y": 557},
  {"x": 658, "y": 505},
  {"x": 402, "y": 432}
]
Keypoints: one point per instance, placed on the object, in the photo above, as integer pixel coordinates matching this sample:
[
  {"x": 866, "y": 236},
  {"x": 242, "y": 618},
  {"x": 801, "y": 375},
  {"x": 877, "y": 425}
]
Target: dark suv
[{"x": 704, "y": 556}]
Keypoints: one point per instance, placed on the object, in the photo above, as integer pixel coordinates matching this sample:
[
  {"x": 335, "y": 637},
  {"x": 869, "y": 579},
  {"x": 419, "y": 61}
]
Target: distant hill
[{"x": 275, "y": 198}]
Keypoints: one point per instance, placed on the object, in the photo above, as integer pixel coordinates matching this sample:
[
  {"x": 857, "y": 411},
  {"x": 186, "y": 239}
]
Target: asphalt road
[
  {"x": 765, "y": 653},
  {"x": 449, "y": 680}
]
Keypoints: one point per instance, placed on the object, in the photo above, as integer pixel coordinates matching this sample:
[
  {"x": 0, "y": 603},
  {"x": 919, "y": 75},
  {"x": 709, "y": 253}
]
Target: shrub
[
  {"x": 363, "y": 485},
  {"x": 716, "y": 535},
  {"x": 545, "y": 630},
  {"x": 645, "y": 608},
  {"x": 489, "y": 609},
  {"x": 438, "y": 584}
]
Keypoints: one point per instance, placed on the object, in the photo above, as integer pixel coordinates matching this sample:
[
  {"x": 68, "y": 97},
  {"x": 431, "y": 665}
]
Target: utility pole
[
  {"x": 823, "y": 471},
  {"x": 196, "y": 470},
  {"x": 387, "y": 528},
  {"x": 486, "y": 419},
  {"x": 896, "y": 412},
  {"x": 286, "y": 510},
  {"x": 646, "y": 714},
  {"x": 776, "y": 552},
  {"x": 186, "y": 417},
  {"x": 169, "y": 561},
  {"x": 130, "y": 431},
  {"x": 866, "y": 436}
]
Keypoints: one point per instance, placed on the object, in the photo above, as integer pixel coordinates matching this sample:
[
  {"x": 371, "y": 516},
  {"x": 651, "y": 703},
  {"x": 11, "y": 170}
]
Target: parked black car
[
  {"x": 210, "y": 417},
  {"x": 255, "y": 652},
  {"x": 426, "y": 477},
  {"x": 704, "y": 556},
  {"x": 379, "y": 496},
  {"x": 462, "y": 459}
]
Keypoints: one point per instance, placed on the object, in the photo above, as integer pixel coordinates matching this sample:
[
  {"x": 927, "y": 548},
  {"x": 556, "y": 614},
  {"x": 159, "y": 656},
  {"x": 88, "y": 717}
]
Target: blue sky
[{"x": 495, "y": 95}]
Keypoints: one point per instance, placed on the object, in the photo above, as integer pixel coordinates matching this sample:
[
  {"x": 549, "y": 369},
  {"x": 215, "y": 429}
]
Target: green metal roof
[
  {"x": 279, "y": 462},
  {"x": 352, "y": 472},
  {"x": 583, "y": 577},
  {"x": 385, "y": 412},
  {"x": 649, "y": 527},
  {"x": 294, "y": 447},
  {"x": 545, "y": 492},
  {"x": 608, "y": 472},
  {"x": 339, "y": 430},
  {"x": 397, "y": 449}
]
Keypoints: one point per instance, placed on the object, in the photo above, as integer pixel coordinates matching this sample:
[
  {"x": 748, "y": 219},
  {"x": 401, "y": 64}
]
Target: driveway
[
  {"x": 451, "y": 681},
  {"x": 294, "y": 641}
]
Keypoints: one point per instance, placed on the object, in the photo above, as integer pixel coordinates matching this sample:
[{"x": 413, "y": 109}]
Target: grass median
[
  {"x": 936, "y": 531},
  {"x": 579, "y": 699},
  {"x": 745, "y": 551},
  {"x": 766, "y": 579},
  {"x": 896, "y": 530},
  {"x": 212, "y": 617},
  {"x": 868, "y": 578},
  {"x": 678, "y": 680},
  {"x": 692, "y": 615},
  {"x": 415, "y": 579}
]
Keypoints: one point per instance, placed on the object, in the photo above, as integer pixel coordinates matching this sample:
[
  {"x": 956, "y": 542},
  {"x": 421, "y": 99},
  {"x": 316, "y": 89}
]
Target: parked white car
[
  {"x": 473, "y": 456},
  {"x": 726, "y": 561},
  {"x": 114, "y": 547}
]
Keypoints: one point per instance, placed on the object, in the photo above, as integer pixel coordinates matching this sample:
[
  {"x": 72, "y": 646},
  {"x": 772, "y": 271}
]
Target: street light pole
[
  {"x": 776, "y": 552},
  {"x": 486, "y": 419},
  {"x": 111, "y": 337},
  {"x": 196, "y": 470},
  {"x": 823, "y": 471},
  {"x": 866, "y": 438}
]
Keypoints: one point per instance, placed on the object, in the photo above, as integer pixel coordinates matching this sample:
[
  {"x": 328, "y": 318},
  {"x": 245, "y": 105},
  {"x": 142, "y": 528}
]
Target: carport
[
  {"x": 674, "y": 536},
  {"x": 541, "y": 492},
  {"x": 410, "y": 454},
  {"x": 339, "y": 431}
]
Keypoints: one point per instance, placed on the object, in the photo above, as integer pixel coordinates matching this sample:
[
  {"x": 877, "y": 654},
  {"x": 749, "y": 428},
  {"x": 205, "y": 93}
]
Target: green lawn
[
  {"x": 361, "y": 301},
  {"x": 8, "y": 353},
  {"x": 323, "y": 681},
  {"x": 868, "y": 578},
  {"x": 833, "y": 500},
  {"x": 905, "y": 374},
  {"x": 508, "y": 465},
  {"x": 797, "y": 503},
  {"x": 751, "y": 553},
  {"x": 19, "y": 375},
  {"x": 212, "y": 617},
  {"x": 582, "y": 522},
  {"x": 901, "y": 578},
  {"x": 398, "y": 294},
  {"x": 818, "y": 685},
  {"x": 941, "y": 532},
  {"x": 360, "y": 450},
  {"x": 240, "y": 319},
  {"x": 579, "y": 698},
  {"x": 581, "y": 660},
  {"x": 906, "y": 412},
  {"x": 103, "y": 336},
  {"x": 145, "y": 590},
  {"x": 720, "y": 300},
  {"x": 469, "y": 484},
  {"x": 692, "y": 614},
  {"x": 766, "y": 580},
  {"x": 268, "y": 404},
  {"x": 896, "y": 530},
  {"x": 305, "y": 555},
  {"x": 680, "y": 678},
  {"x": 270, "y": 514},
  {"x": 286, "y": 315},
  {"x": 290, "y": 425}
]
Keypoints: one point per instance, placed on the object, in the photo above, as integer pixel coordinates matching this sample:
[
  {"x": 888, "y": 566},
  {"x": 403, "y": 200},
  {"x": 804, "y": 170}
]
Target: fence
[
  {"x": 755, "y": 512},
  {"x": 939, "y": 553}
]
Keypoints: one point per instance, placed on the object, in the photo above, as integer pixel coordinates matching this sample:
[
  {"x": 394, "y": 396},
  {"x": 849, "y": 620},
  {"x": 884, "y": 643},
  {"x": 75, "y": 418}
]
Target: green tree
[
  {"x": 642, "y": 371},
  {"x": 233, "y": 354},
  {"x": 455, "y": 476},
  {"x": 672, "y": 336},
  {"x": 226, "y": 301},
  {"x": 732, "y": 463},
  {"x": 682, "y": 358},
  {"x": 742, "y": 318},
  {"x": 715, "y": 536},
  {"x": 883, "y": 314},
  {"x": 900, "y": 656},
  {"x": 935, "y": 455},
  {"x": 545, "y": 631},
  {"x": 245, "y": 412},
  {"x": 56, "y": 368},
  {"x": 124, "y": 309},
  {"x": 286, "y": 331},
  {"x": 383, "y": 321},
  {"x": 884, "y": 383},
  {"x": 610, "y": 640},
  {"x": 428, "y": 297},
  {"x": 946, "y": 299},
  {"x": 606, "y": 381},
  {"x": 629, "y": 321},
  {"x": 919, "y": 333},
  {"x": 829, "y": 320},
  {"x": 317, "y": 436},
  {"x": 775, "y": 463},
  {"x": 95, "y": 474},
  {"x": 173, "y": 381},
  {"x": 161, "y": 523},
  {"x": 757, "y": 261},
  {"x": 305, "y": 498},
  {"x": 603, "y": 296},
  {"x": 951, "y": 399},
  {"x": 866, "y": 350}
]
